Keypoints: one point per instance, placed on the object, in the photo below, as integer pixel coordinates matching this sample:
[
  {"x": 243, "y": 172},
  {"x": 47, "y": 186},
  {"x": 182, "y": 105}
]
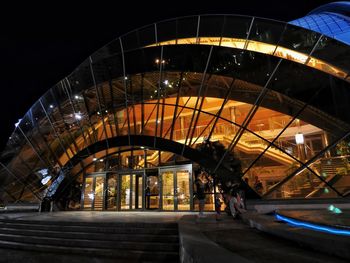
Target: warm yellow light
[{"x": 260, "y": 47}]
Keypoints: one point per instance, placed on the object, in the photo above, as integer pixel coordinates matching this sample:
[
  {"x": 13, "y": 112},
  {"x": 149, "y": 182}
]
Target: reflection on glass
[
  {"x": 152, "y": 192},
  {"x": 133, "y": 193},
  {"x": 209, "y": 203},
  {"x": 264, "y": 48},
  {"x": 183, "y": 190},
  {"x": 125, "y": 192},
  {"x": 88, "y": 193},
  {"x": 112, "y": 192},
  {"x": 303, "y": 185},
  {"x": 168, "y": 190},
  {"x": 139, "y": 185},
  {"x": 99, "y": 189}
]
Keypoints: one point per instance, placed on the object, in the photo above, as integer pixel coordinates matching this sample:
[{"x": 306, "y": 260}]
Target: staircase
[
  {"x": 329, "y": 166},
  {"x": 53, "y": 241}
]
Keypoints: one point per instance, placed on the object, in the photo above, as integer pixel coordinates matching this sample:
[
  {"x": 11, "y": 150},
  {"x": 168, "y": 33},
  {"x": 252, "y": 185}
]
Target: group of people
[{"x": 235, "y": 199}]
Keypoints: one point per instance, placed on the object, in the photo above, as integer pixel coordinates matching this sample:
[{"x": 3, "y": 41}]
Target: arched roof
[
  {"x": 331, "y": 19},
  {"x": 261, "y": 62}
]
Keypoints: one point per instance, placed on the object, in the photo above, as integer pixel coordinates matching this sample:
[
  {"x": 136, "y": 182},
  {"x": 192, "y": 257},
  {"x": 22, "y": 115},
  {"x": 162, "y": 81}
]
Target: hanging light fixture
[{"x": 299, "y": 138}]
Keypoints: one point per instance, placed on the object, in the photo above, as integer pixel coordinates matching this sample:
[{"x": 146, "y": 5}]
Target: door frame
[
  {"x": 174, "y": 170},
  {"x": 143, "y": 173},
  {"x": 130, "y": 173},
  {"x": 93, "y": 176}
]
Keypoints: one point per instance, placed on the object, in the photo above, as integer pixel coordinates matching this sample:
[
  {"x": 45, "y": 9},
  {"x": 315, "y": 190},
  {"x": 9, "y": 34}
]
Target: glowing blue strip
[{"x": 295, "y": 222}]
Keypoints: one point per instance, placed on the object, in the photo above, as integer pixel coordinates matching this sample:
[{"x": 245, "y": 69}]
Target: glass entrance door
[
  {"x": 111, "y": 193},
  {"x": 176, "y": 189},
  {"x": 131, "y": 191},
  {"x": 183, "y": 194},
  {"x": 152, "y": 193},
  {"x": 94, "y": 193},
  {"x": 168, "y": 190}
]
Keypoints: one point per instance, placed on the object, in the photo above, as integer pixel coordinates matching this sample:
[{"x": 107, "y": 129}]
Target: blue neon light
[{"x": 330, "y": 230}]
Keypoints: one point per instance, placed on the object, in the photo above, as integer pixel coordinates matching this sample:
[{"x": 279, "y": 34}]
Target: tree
[{"x": 228, "y": 175}]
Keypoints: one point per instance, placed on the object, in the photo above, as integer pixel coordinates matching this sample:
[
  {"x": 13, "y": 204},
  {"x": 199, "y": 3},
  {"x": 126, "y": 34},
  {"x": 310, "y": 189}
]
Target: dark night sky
[{"x": 42, "y": 44}]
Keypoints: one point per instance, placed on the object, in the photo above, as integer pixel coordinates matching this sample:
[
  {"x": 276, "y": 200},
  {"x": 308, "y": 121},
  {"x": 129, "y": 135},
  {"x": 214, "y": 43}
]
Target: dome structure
[
  {"x": 130, "y": 116},
  {"x": 332, "y": 20}
]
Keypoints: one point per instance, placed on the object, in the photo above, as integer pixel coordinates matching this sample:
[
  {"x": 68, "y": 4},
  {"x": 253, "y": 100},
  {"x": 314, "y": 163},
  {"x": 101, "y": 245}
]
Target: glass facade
[
  {"x": 331, "y": 20},
  {"x": 273, "y": 93}
]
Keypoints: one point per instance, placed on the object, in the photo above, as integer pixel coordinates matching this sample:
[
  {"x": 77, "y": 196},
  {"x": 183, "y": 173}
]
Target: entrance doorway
[
  {"x": 152, "y": 193},
  {"x": 94, "y": 192},
  {"x": 162, "y": 188},
  {"x": 176, "y": 188},
  {"x": 131, "y": 191}
]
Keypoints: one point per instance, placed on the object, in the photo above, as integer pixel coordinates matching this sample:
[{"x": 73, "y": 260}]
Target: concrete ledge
[
  {"x": 11, "y": 208},
  {"x": 268, "y": 206},
  {"x": 196, "y": 247},
  {"x": 319, "y": 241}
]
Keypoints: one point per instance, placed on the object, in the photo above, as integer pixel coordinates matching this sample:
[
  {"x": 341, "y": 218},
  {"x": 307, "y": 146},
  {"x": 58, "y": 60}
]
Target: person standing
[
  {"x": 148, "y": 195},
  {"x": 200, "y": 195},
  {"x": 217, "y": 207}
]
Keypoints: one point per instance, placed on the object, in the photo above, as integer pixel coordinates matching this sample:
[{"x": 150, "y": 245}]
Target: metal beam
[
  {"x": 125, "y": 88},
  {"x": 249, "y": 116},
  {"x": 198, "y": 96},
  {"x": 98, "y": 101}
]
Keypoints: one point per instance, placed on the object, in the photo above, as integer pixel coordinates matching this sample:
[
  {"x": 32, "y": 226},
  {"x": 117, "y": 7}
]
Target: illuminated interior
[
  {"x": 261, "y": 47},
  {"x": 131, "y": 116}
]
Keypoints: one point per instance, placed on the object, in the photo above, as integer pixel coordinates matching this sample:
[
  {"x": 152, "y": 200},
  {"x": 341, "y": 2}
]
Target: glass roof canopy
[{"x": 175, "y": 65}]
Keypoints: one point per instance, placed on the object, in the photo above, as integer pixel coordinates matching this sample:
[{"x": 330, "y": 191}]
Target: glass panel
[
  {"x": 236, "y": 27},
  {"x": 298, "y": 39},
  {"x": 303, "y": 185},
  {"x": 139, "y": 185},
  {"x": 304, "y": 140},
  {"x": 183, "y": 190},
  {"x": 29, "y": 127},
  {"x": 125, "y": 192},
  {"x": 334, "y": 52},
  {"x": 147, "y": 36},
  {"x": 134, "y": 191},
  {"x": 167, "y": 30},
  {"x": 130, "y": 41},
  {"x": 45, "y": 129},
  {"x": 112, "y": 190},
  {"x": 334, "y": 167},
  {"x": 108, "y": 50},
  {"x": 250, "y": 146},
  {"x": 268, "y": 171},
  {"x": 247, "y": 66},
  {"x": 63, "y": 141},
  {"x": 88, "y": 193},
  {"x": 168, "y": 190},
  {"x": 310, "y": 84},
  {"x": 99, "y": 193},
  {"x": 266, "y": 31},
  {"x": 152, "y": 192},
  {"x": 276, "y": 113},
  {"x": 211, "y": 26},
  {"x": 187, "y": 27},
  {"x": 209, "y": 203}
]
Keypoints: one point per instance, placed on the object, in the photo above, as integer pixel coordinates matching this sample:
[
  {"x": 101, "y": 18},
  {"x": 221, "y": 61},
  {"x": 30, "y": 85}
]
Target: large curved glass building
[{"x": 120, "y": 132}]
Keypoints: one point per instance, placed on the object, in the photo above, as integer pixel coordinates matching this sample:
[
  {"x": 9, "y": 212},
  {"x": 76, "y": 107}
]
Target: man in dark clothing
[{"x": 200, "y": 195}]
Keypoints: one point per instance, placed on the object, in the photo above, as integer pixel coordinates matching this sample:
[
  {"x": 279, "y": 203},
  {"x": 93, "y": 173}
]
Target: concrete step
[
  {"x": 92, "y": 228},
  {"x": 170, "y": 225},
  {"x": 134, "y": 242},
  {"x": 143, "y": 245},
  {"x": 99, "y": 253},
  {"x": 170, "y": 238}
]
